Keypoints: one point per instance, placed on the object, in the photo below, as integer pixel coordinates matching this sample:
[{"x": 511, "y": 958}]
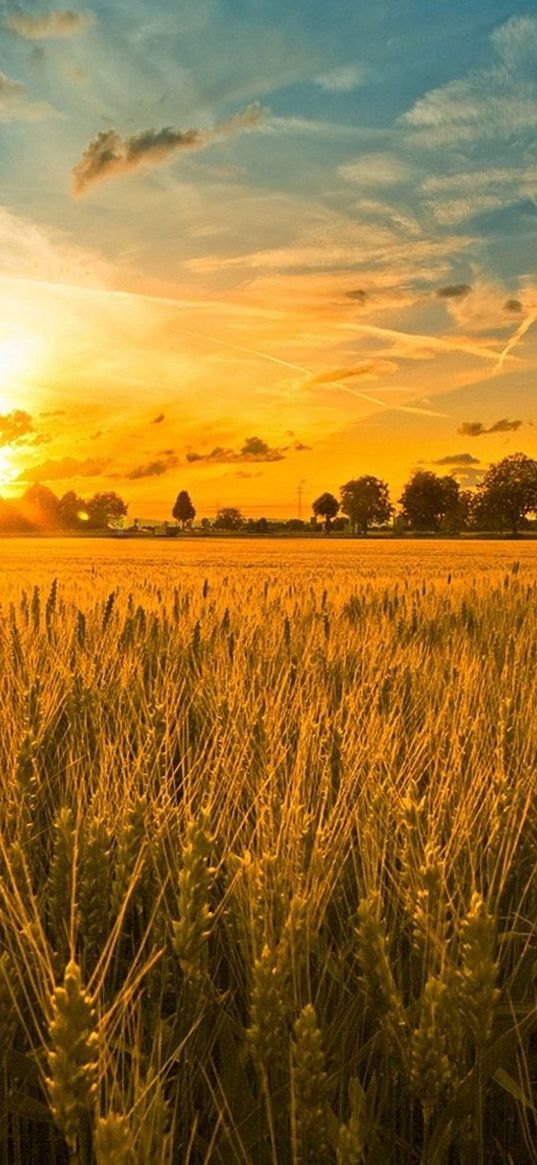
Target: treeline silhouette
[
  {"x": 39, "y": 510},
  {"x": 429, "y": 503},
  {"x": 502, "y": 500}
]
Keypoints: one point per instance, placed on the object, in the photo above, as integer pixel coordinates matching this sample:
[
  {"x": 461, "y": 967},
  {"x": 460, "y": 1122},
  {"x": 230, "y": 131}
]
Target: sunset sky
[{"x": 246, "y": 245}]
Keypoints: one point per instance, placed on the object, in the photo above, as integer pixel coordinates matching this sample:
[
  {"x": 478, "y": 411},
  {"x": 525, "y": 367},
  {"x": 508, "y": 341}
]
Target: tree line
[
  {"x": 40, "y": 509},
  {"x": 502, "y": 500}
]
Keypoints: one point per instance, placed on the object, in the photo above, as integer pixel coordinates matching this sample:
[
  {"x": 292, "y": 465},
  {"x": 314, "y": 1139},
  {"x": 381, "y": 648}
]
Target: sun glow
[
  {"x": 17, "y": 358},
  {"x": 8, "y": 471}
]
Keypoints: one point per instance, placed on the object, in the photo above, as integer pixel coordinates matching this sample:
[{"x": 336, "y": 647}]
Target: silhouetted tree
[
  {"x": 508, "y": 491},
  {"x": 104, "y": 509},
  {"x": 39, "y": 506},
  {"x": 326, "y": 506},
  {"x": 228, "y": 518},
  {"x": 366, "y": 502},
  {"x": 427, "y": 499},
  {"x": 183, "y": 511},
  {"x": 70, "y": 507}
]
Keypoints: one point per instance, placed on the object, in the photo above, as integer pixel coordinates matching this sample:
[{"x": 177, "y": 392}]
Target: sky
[{"x": 252, "y": 249}]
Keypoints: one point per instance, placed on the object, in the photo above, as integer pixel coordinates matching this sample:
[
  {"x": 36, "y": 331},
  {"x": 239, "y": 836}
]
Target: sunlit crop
[{"x": 268, "y": 851}]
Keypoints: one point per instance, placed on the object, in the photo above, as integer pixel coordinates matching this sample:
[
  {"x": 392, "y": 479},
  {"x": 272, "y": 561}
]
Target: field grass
[{"x": 268, "y": 843}]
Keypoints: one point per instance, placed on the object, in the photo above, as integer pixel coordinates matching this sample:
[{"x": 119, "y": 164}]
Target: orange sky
[{"x": 348, "y": 284}]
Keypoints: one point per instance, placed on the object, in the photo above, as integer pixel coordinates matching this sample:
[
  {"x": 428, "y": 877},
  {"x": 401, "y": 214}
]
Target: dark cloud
[
  {"x": 53, "y": 413},
  {"x": 109, "y": 154},
  {"x": 58, "y": 25},
  {"x": 253, "y": 449},
  {"x": 457, "y": 459},
  {"x": 359, "y": 295},
  {"x": 370, "y": 368},
  {"x": 300, "y": 447},
  {"x": 453, "y": 291},
  {"x": 155, "y": 468},
  {"x": 514, "y": 306},
  {"x": 158, "y": 420},
  {"x": 14, "y": 426},
  {"x": 478, "y": 429},
  {"x": 504, "y": 426},
  {"x": 64, "y": 468}
]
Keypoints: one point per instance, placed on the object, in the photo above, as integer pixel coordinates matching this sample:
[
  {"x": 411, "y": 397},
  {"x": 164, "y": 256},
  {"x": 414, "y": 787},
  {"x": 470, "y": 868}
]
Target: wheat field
[{"x": 268, "y": 854}]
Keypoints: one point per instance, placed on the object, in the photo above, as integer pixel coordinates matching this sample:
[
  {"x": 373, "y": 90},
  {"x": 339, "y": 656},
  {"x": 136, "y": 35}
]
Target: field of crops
[{"x": 268, "y": 853}]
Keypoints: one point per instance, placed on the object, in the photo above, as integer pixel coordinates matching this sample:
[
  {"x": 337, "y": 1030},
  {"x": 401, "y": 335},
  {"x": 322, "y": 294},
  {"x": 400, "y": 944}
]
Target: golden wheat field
[{"x": 268, "y": 853}]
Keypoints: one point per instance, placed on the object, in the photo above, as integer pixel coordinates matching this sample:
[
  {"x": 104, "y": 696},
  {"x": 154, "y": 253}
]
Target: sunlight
[
  {"x": 17, "y": 357},
  {"x": 8, "y": 471}
]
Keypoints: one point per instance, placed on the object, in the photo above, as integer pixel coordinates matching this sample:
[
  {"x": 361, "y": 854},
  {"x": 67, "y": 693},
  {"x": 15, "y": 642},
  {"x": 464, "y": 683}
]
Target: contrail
[
  {"x": 169, "y": 301},
  {"x": 435, "y": 342},
  {"x": 515, "y": 338}
]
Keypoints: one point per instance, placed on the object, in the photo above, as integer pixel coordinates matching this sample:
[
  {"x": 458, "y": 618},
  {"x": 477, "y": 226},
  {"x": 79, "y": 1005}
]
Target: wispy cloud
[
  {"x": 494, "y": 102},
  {"x": 111, "y": 155},
  {"x": 376, "y": 170},
  {"x": 17, "y": 103},
  {"x": 343, "y": 79},
  {"x": 63, "y": 469},
  {"x": 59, "y": 24},
  {"x": 369, "y": 370}
]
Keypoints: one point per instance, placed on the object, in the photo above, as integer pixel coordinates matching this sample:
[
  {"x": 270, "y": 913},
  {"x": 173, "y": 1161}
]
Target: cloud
[
  {"x": 342, "y": 79},
  {"x": 253, "y": 449},
  {"x": 17, "y": 103},
  {"x": 156, "y": 468},
  {"x": 468, "y": 478},
  {"x": 478, "y": 429},
  {"x": 497, "y": 102},
  {"x": 358, "y": 295},
  {"x": 370, "y": 370},
  {"x": 514, "y": 306},
  {"x": 109, "y": 154},
  {"x": 453, "y": 291},
  {"x": 58, "y": 24},
  {"x": 505, "y": 426},
  {"x": 457, "y": 459},
  {"x": 14, "y": 426},
  {"x": 376, "y": 170},
  {"x": 64, "y": 468}
]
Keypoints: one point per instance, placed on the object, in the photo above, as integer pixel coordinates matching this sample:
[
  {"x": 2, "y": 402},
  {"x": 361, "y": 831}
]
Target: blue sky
[{"x": 311, "y": 224}]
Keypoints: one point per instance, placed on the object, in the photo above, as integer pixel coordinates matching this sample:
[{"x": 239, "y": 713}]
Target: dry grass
[{"x": 267, "y": 862}]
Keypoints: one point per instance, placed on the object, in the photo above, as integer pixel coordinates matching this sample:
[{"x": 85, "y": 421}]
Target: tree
[
  {"x": 39, "y": 506},
  {"x": 104, "y": 509},
  {"x": 326, "y": 506},
  {"x": 70, "y": 509},
  {"x": 183, "y": 511},
  {"x": 228, "y": 518},
  {"x": 366, "y": 502},
  {"x": 508, "y": 491},
  {"x": 427, "y": 499}
]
